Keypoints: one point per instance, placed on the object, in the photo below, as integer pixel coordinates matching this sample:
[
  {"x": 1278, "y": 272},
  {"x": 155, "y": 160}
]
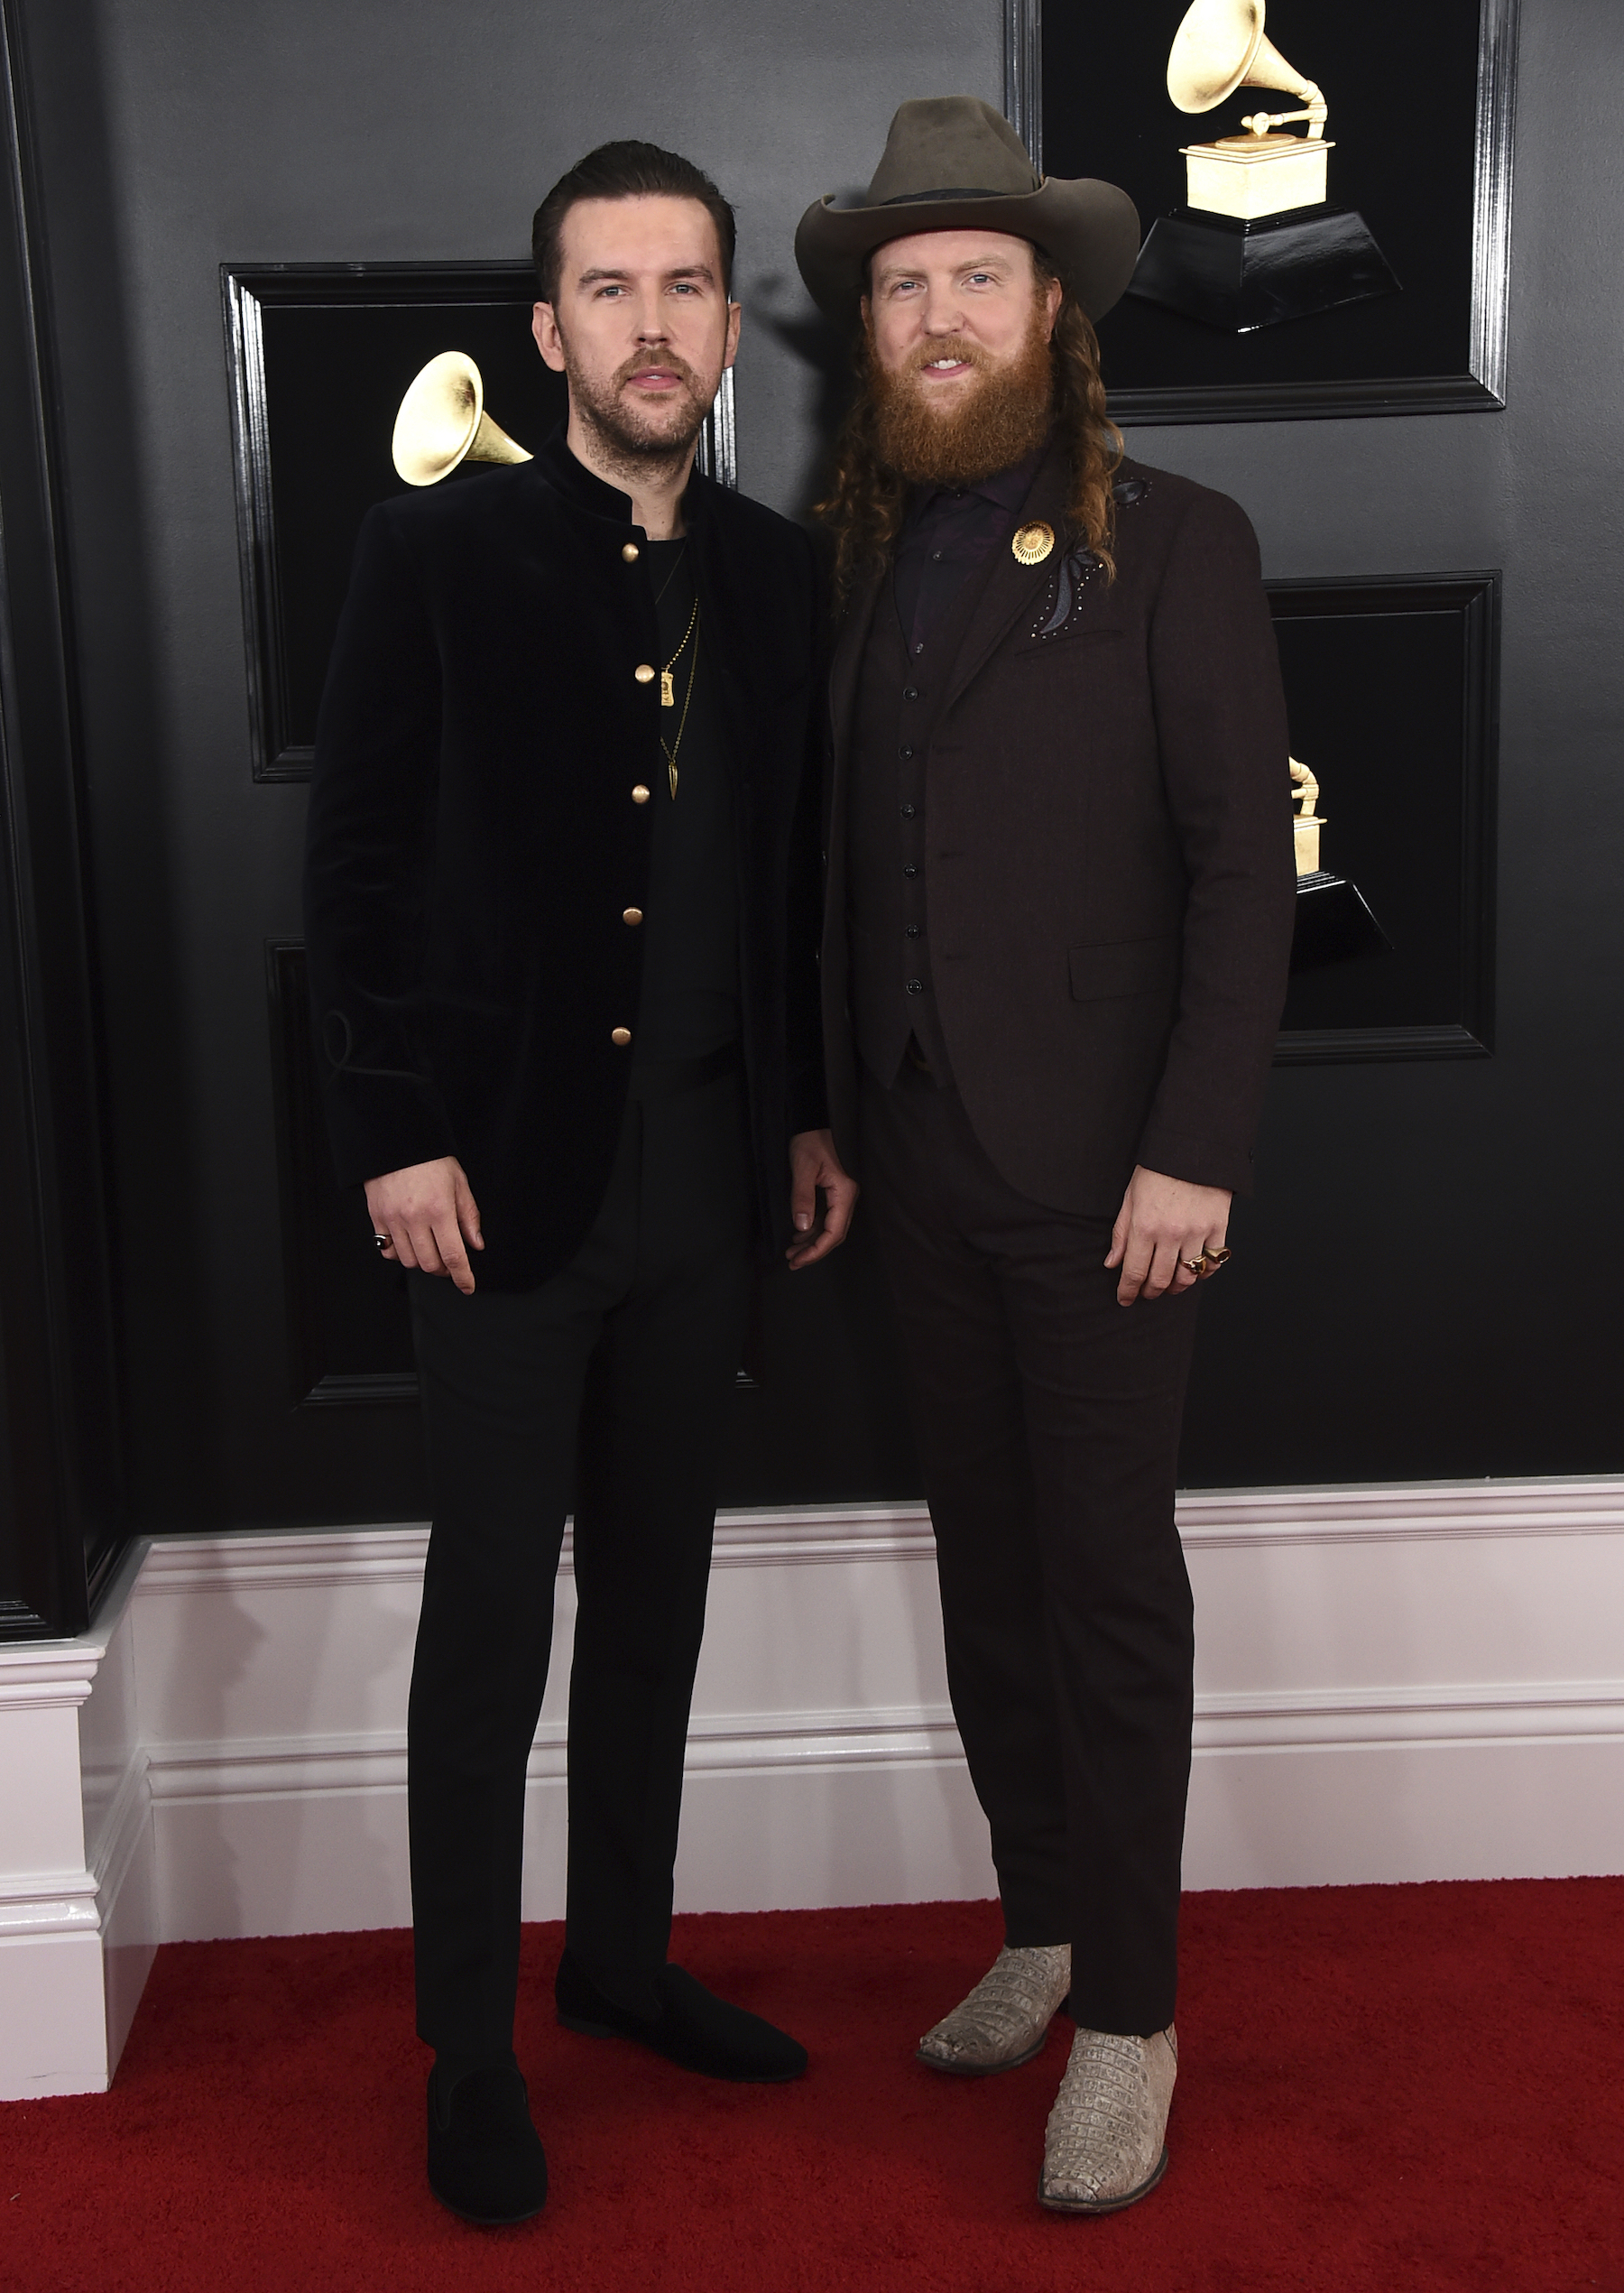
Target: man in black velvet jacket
[{"x": 562, "y": 913}]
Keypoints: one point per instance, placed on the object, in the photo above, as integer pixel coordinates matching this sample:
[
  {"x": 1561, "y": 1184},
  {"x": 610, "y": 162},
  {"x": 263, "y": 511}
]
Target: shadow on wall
[{"x": 778, "y": 304}]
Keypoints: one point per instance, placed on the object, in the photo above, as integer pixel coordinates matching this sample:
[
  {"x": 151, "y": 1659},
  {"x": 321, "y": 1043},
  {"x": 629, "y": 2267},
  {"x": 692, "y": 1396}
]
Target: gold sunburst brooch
[{"x": 1032, "y": 543}]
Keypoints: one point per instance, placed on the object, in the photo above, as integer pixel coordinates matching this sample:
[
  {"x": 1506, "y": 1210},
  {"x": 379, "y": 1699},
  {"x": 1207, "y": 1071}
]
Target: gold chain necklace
[
  {"x": 668, "y": 690},
  {"x": 666, "y": 695}
]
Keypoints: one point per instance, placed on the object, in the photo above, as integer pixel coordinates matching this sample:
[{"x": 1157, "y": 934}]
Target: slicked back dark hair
[{"x": 625, "y": 170}]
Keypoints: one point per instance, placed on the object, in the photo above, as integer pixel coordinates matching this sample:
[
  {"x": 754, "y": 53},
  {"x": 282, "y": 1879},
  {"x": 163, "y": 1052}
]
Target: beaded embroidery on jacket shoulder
[{"x": 1075, "y": 570}]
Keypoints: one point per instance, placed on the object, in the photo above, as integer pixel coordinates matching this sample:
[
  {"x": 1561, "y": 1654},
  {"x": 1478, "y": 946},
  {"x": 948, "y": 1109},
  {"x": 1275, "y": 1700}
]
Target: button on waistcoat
[{"x": 900, "y": 696}]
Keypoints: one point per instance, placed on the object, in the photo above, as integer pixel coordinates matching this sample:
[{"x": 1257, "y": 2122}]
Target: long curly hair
[{"x": 866, "y": 502}]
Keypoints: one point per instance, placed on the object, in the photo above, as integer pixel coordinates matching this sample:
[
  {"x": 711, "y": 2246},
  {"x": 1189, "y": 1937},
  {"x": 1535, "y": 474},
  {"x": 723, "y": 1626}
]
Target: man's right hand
[{"x": 428, "y": 1212}]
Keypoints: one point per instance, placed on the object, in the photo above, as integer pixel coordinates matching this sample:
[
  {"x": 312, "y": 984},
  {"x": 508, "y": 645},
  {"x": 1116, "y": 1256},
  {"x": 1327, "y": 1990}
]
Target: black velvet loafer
[
  {"x": 485, "y": 2158},
  {"x": 693, "y": 2029}
]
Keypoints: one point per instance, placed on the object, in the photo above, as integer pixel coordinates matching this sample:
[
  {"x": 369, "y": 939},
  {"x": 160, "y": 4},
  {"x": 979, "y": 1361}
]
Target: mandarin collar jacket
[
  {"x": 475, "y": 839},
  {"x": 1109, "y": 880}
]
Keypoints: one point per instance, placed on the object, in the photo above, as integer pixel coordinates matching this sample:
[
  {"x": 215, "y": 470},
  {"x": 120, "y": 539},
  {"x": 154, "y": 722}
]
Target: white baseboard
[
  {"x": 1392, "y": 1684},
  {"x": 300, "y": 1835},
  {"x": 77, "y": 1935}
]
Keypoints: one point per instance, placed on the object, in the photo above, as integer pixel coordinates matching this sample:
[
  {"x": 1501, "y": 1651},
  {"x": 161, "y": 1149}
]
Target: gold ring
[
  {"x": 1196, "y": 1266},
  {"x": 1211, "y": 1259}
]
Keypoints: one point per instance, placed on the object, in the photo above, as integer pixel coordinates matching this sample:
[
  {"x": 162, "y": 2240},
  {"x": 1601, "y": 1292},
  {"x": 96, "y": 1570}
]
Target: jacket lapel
[
  {"x": 844, "y": 666},
  {"x": 728, "y": 622},
  {"x": 848, "y": 658},
  {"x": 1011, "y": 588}
]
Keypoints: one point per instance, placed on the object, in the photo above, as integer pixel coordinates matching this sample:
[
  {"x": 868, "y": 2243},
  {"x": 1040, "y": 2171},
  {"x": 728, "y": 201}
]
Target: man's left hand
[
  {"x": 813, "y": 1163},
  {"x": 1163, "y": 1223}
]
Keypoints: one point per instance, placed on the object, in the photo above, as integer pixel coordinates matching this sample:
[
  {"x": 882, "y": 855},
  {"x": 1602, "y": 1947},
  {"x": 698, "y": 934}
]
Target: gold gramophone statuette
[
  {"x": 1219, "y": 47},
  {"x": 1334, "y": 919},
  {"x": 442, "y": 422},
  {"x": 1306, "y": 823}
]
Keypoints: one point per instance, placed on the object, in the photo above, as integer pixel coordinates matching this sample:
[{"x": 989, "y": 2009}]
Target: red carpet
[{"x": 1383, "y": 2088}]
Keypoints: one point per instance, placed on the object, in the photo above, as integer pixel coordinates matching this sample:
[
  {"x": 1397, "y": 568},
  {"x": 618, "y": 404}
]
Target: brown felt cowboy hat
[{"x": 952, "y": 164}]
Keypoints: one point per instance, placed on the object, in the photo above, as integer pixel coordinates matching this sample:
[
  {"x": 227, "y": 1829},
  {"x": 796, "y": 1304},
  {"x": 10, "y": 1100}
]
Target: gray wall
[{"x": 1429, "y": 1260}]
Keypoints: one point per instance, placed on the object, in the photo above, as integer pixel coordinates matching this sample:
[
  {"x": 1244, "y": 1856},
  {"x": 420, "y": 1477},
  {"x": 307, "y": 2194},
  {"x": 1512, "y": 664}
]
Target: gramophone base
[
  {"x": 1241, "y": 275},
  {"x": 1334, "y": 924}
]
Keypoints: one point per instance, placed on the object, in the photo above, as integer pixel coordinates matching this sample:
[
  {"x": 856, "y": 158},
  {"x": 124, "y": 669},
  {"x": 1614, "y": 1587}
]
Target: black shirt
[
  {"x": 948, "y": 533},
  {"x": 690, "y": 983}
]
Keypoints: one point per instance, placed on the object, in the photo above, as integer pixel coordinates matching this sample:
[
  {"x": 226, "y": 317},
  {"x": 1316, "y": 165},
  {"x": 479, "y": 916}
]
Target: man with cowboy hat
[{"x": 1061, "y": 895}]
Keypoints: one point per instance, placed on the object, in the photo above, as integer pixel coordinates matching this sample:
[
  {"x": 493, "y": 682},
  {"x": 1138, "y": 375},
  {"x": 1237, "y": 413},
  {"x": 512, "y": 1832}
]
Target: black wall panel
[
  {"x": 1391, "y": 699},
  {"x": 1419, "y": 1288}
]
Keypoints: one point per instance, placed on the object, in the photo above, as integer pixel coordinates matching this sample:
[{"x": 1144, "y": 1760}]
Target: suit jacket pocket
[
  {"x": 1124, "y": 967},
  {"x": 1077, "y": 635}
]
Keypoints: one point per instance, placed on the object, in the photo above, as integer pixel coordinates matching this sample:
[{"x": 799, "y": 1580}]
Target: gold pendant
[
  {"x": 668, "y": 689},
  {"x": 672, "y": 769},
  {"x": 1032, "y": 543}
]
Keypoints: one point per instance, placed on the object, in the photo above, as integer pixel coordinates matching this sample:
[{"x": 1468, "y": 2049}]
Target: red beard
[{"x": 1000, "y": 420}]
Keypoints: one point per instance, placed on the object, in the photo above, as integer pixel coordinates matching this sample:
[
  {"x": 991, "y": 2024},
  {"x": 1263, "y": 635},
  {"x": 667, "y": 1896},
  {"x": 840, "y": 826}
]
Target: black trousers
[
  {"x": 603, "y": 1391},
  {"x": 1047, "y": 1419}
]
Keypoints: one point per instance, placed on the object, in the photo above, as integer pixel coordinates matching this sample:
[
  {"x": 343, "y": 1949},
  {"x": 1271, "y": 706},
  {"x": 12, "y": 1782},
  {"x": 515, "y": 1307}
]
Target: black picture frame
[
  {"x": 1444, "y": 141},
  {"x": 1391, "y": 687},
  {"x": 318, "y": 355}
]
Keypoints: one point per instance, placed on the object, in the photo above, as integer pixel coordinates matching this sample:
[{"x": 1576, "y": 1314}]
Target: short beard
[
  {"x": 1001, "y": 419},
  {"x": 637, "y": 444}
]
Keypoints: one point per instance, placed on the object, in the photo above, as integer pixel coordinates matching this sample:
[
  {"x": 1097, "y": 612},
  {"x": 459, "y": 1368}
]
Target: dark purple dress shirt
[{"x": 949, "y": 531}]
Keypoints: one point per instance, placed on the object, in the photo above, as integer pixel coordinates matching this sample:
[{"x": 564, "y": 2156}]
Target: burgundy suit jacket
[{"x": 1110, "y": 872}]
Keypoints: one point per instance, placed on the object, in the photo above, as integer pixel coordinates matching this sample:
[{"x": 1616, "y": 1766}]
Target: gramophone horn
[
  {"x": 1219, "y": 47},
  {"x": 442, "y": 422}
]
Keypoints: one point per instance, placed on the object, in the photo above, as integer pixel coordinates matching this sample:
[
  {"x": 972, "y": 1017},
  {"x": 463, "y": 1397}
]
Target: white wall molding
[
  {"x": 1388, "y": 1512},
  {"x": 392, "y": 1553},
  {"x": 286, "y": 1559},
  {"x": 119, "y": 1835},
  {"x": 45, "y": 1687},
  {"x": 924, "y": 1734},
  {"x": 718, "y": 1744},
  {"x": 50, "y": 1902},
  {"x": 1518, "y": 1713},
  {"x": 75, "y": 1939},
  {"x": 1209, "y": 1520},
  {"x": 1392, "y": 1683}
]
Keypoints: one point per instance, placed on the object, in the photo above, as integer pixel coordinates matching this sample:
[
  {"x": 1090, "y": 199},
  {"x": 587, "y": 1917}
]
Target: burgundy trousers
[{"x": 1048, "y": 1420}]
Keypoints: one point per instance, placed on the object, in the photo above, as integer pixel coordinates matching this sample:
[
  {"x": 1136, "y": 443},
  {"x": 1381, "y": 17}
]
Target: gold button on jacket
[
  {"x": 521, "y": 805},
  {"x": 622, "y": 1036},
  {"x": 630, "y": 915},
  {"x": 644, "y": 673}
]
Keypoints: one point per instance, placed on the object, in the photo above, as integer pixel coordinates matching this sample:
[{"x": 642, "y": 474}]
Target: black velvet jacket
[{"x": 473, "y": 839}]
